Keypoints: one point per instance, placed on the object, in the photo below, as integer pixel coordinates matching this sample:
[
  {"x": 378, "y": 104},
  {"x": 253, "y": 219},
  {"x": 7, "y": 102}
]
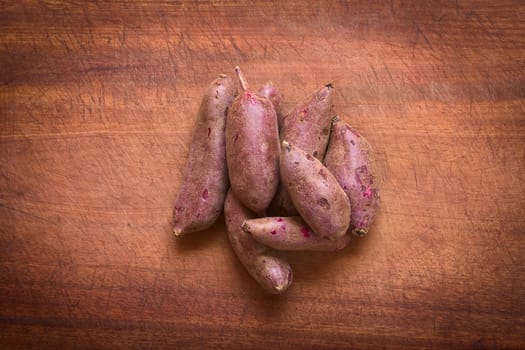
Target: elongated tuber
[
  {"x": 291, "y": 233},
  {"x": 349, "y": 157},
  {"x": 265, "y": 265},
  {"x": 315, "y": 192},
  {"x": 201, "y": 195},
  {"x": 252, "y": 149}
]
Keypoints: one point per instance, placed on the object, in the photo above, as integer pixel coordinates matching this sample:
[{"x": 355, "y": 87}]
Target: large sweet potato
[
  {"x": 307, "y": 126},
  {"x": 252, "y": 149},
  {"x": 349, "y": 157},
  {"x": 315, "y": 192},
  {"x": 201, "y": 195}
]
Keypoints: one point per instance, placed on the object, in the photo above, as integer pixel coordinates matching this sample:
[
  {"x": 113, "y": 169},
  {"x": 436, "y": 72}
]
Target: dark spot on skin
[
  {"x": 217, "y": 94},
  {"x": 296, "y": 163},
  {"x": 323, "y": 203},
  {"x": 305, "y": 232},
  {"x": 326, "y": 131},
  {"x": 362, "y": 169},
  {"x": 235, "y": 138},
  {"x": 209, "y": 132},
  {"x": 363, "y": 177},
  {"x": 352, "y": 142},
  {"x": 205, "y": 194},
  {"x": 322, "y": 174},
  {"x": 179, "y": 209},
  {"x": 226, "y": 111},
  {"x": 367, "y": 192},
  {"x": 280, "y": 220},
  {"x": 283, "y": 228},
  {"x": 315, "y": 154},
  {"x": 309, "y": 157},
  {"x": 273, "y": 232}
]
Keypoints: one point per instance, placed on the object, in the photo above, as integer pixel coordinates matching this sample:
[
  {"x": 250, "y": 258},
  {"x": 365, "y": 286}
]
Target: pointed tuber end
[
  {"x": 242, "y": 78},
  {"x": 245, "y": 227},
  {"x": 177, "y": 232},
  {"x": 280, "y": 288},
  {"x": 284, "y": 285},
  {"x": 360, "y": 232}
]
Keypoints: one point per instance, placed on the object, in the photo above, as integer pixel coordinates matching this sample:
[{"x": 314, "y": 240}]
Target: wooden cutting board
[{"x": 97, "y": 103}]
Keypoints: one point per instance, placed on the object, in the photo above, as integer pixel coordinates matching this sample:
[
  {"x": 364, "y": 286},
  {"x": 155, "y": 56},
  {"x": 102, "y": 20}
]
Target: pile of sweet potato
[{"x": 303, "y": 180}]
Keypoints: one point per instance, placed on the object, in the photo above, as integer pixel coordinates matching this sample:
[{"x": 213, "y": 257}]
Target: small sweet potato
[
  {"x": 271, "y": 92},
  {"x": 201, "y": 195},
  {"x": 315, "y": 192},
  {"x": 252, "y": 149},
  {"x": 349, "y": 157},
  {"x": 291, "y": 233},
  {"x": 265, "y": 265},
  {"x": 307, "y": 126}
]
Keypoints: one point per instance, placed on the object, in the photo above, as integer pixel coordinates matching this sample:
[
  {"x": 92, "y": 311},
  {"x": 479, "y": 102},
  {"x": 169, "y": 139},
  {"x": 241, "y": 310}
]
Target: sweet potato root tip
[
  {"x": 360, "y": 232},
  {"x": 242, "y": 78},
  {"x": 177, "y": 231}
]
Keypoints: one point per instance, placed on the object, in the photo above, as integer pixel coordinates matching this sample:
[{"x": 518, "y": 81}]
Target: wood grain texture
[{"x": 97, "y": 103}]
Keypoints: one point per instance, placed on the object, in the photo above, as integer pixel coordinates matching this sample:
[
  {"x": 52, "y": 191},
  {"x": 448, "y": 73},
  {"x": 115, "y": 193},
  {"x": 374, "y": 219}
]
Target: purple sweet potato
[
  {"x": 315, "y": 192},
  {"x": 201, "y": 195},
  {"x": 269, "y": 91},
  {"x": 265, "y": 265},
  {"x": 291, "y": 233},
  {"x": 307, "y": 127},
  {"x": 349, "y": 157},
  {"x": 252, "y": 149}
]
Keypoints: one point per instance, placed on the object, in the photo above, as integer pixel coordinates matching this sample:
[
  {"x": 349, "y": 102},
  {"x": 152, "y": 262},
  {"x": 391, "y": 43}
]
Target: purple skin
[
  {"x": 349, "y": 157},
  {"x": 291, "y": 233},
  {"x": 315, "y": 192},
  {"x": 201, "y": 195},
  {"x": 269, "y": 91},
  {"x": 252, "y": 149},
  {"x": 265, "y": 265},
  {"x": 307, "y": 127}
]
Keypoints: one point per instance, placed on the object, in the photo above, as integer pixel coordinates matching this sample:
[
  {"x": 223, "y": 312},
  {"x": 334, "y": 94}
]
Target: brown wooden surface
[{"x": 97, "y": 102}]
